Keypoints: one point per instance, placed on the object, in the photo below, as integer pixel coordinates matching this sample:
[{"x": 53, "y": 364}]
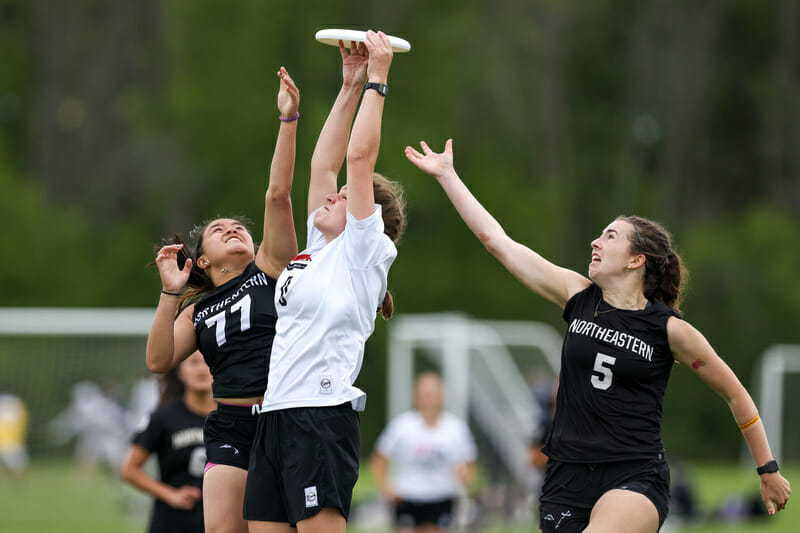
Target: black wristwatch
[
  {"x": 382, "y": 88},
  {"x": 768, "y": 468}
]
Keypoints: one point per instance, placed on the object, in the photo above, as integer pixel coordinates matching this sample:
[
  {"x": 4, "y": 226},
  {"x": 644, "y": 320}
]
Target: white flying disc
[{"x": 332, "y": 37}]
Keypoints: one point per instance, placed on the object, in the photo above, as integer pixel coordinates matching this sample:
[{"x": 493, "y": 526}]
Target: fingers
[
  {"x": 425, "y": 148},
  {"x": 412, "y": 154},
  {"x": 187, "y": 267},
  {"x": 342, "y": 49},
  {"x": 170, "y": 249},
  {"x": 448, "y": 146}
]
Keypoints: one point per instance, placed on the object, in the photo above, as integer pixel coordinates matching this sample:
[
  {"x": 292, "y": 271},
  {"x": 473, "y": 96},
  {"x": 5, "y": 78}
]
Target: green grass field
[{"x": 54, "y": 499}]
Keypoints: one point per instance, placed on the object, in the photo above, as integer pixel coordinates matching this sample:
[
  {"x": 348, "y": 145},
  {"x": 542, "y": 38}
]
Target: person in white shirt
[
  {"x": 304, "y": 459},
  {"x": 430, "y": 454}
]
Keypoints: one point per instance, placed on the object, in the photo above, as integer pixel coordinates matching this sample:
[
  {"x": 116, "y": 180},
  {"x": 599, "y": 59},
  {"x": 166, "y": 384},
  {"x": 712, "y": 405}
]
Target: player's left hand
[
  {"x": 775, "y": 490},
  {"x": 288, "y": 95},
  {"x": 380, "y": 56}
]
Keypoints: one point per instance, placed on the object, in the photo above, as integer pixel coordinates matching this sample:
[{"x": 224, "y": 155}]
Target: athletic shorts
[
  {"x": 570, "y": 490},
  {"x": 410, "y": 515},
  {"x": 303, "y": 460},
  {"x": 228, "y": 433}
]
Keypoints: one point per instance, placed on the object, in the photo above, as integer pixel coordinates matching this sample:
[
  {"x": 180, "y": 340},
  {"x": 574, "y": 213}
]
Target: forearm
[
  {"x": 477, "y": 218},
  {"x": 281, "y": 170},
  {"x": 146, "y": 483},
  {"x": 744, "y": 411},
  {"x": 161, "y": 340},
  {"x": 331, "y": 147}
]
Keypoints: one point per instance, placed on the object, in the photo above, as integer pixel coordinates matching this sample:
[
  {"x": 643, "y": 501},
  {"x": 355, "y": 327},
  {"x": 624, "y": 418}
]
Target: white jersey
[
  {"x": 327, "y": 299},
  {"x": 424, "y": 459}
]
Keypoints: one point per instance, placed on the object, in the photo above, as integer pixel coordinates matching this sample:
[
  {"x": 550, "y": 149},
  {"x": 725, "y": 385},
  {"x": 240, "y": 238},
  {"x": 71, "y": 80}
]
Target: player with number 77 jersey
[{"x": 223, "y": 295}]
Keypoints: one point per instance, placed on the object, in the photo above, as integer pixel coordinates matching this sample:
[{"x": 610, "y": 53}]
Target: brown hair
[
  {"x": 389, "y": 194},
  {"x": 665, "y": 275},
  {"x": 198, "y": 284}
]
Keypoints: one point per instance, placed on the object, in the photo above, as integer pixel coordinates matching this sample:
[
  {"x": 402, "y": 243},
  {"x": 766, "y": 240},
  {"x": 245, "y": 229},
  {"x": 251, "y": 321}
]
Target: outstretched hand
[
  {"x": 354, "y": 64},
  {"x": 288, "y": 95},
  {"x": 429, "y": 161},
  {"x": 172, "y": 278}
]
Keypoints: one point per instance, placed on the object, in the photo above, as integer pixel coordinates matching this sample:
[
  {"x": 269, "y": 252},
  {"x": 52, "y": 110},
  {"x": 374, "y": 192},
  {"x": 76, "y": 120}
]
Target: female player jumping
[
  {"x": 606, "y": 470},
  {"x": 231, "y": 320},
  {"x": 304, "y": 461}
]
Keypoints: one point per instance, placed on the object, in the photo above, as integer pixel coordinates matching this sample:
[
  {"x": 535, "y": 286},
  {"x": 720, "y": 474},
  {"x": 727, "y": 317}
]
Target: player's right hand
[
  {"x": 184, "y": 497},
  {"x": 437, "y": 165},
  {"x": 172, "y": 278},
  {"x": 354, "y": 64}
]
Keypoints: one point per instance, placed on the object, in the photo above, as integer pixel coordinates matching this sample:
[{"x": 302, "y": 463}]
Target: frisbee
[{"x": 332, "y": 37}]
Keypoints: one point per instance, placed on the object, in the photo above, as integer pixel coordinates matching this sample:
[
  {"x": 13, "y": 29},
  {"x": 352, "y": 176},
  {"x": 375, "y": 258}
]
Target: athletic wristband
[
  {"x": 280, "y": 117},
  {"x": 749, "y": 423},
  {"x": 382, "y": 88},
  {"x": 768, "y": 468},
  {"x": 170, "y": 293}
]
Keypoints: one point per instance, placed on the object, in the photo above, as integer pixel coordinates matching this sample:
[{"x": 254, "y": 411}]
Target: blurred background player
[
  {"x": 422, "y": 460},
  {"x": 13, "y": 430},
  {"x": 174, "y": 433}
]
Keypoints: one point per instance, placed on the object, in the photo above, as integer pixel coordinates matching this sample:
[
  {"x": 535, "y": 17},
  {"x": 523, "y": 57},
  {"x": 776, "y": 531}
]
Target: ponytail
[
  {"x": 665, "y": 275},
  {"x": 387, "y": 307}
]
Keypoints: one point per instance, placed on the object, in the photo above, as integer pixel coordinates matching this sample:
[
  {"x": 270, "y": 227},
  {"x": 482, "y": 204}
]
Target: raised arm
[
  {"x": 549, "y": 281},
  {"x": 331, "y": 147},
  {"x": 365, "y": 140},
  {"x": 170, "y": 340},
  {"x": 280, "y": 242},
  {"x": 692, "y": 349}
]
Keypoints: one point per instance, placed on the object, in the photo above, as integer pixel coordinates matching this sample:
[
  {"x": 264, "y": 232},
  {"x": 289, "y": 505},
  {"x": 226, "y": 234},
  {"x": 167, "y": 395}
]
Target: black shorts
[
  {"x": 228, "y": 433},
  {"x": 409, "y": 515},
  {"x": 303, "y": 460},
  {"x": 570, "y": 490}
]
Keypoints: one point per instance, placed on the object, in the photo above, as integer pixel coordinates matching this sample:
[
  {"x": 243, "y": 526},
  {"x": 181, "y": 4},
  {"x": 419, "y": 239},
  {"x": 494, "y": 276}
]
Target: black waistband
[{"x": 238, "y": 411}]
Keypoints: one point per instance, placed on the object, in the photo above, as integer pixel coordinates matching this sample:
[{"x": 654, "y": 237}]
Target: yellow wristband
[{"x": 750, "y": 423}]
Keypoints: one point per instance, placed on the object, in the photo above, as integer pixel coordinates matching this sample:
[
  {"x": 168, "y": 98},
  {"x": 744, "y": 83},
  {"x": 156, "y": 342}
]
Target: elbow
[
  {"x": 358, "y": 156},
  {"x": 492, "y": 241},
  {"x": 279, "y": 198},
  {"x": 157, "y": 367}
]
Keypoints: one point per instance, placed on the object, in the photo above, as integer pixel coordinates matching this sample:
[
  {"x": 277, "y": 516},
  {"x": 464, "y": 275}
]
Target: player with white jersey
[
  {"x": 430, "y": 455},
  {"x": 304, "y": 459}
]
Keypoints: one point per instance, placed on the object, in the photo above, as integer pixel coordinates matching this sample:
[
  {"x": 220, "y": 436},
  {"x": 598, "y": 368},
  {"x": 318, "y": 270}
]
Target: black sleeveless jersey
[
  {"x": 614, "y": 370},
  {"x": 235, "y": 326},
  {"x": 175, "y": 435}
]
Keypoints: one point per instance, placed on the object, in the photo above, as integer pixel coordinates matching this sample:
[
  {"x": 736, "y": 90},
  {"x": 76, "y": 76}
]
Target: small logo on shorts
[
  {"x": 235, "y": 451},
  {"x": 326, "y": 385},
  {"x": 311, "y": 496}
]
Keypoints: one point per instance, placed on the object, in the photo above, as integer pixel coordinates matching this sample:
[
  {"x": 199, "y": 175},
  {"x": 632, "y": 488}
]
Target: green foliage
[{"x": 543, "y": 107}]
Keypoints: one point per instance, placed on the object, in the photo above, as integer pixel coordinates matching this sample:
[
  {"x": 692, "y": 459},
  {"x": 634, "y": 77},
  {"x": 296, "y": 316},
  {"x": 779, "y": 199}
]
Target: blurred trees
[{"x": 123, "y": 121}]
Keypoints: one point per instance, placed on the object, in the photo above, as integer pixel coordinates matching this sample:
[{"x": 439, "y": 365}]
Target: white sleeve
[
  {"x": 468, "y": 451},
  {"x": 387, "y": 441},
  {"x": 314, "y": 237},
  {"x": 365, "y": 243}
]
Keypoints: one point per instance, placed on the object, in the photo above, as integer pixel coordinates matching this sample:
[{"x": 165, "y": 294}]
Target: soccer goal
[
  {"x": 483, "y": 371},
  {"x": 777, "y": 365},
  {"x": 52, "y": 358}
]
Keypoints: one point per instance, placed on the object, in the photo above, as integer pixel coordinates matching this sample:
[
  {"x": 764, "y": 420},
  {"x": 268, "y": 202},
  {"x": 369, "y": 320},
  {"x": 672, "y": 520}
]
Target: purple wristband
[{"x": 289, "y": 119}]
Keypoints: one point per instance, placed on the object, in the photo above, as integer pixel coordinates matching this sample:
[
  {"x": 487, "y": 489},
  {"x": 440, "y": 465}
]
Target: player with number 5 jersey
[
  {"x": 606, "y": 470},
  {"x": 225, "y": 289}
]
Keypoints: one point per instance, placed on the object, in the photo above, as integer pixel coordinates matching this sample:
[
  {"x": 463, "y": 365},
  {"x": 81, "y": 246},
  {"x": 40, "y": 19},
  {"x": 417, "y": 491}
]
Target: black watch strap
[
  {"x": 768, "y": 468},
  {"x": 382, "y": 88}
]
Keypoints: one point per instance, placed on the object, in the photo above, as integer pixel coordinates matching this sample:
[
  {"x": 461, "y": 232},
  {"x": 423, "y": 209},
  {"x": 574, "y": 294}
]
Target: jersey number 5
[
  {"x": 602, "y": 365},
  {"x": 218, "y": 321}
]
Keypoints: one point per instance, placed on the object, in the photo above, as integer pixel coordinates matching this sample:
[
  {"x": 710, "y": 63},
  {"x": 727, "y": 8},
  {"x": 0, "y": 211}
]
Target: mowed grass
[{"x": 55, "y": 498}]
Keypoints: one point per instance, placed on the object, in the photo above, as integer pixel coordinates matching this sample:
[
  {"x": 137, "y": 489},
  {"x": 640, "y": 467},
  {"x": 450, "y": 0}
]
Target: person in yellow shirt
[{"x": 13, "y": 430}]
